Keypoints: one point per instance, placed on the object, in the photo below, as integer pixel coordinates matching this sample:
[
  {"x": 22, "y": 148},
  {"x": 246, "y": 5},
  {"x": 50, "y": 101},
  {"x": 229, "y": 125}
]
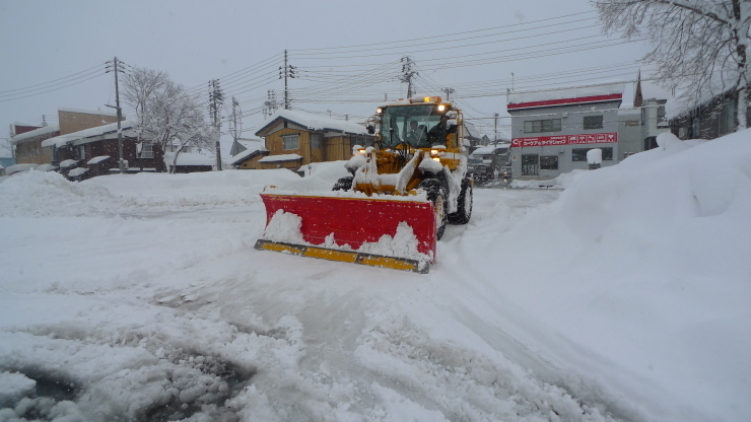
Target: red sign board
[{"x": 543, "y": 141}]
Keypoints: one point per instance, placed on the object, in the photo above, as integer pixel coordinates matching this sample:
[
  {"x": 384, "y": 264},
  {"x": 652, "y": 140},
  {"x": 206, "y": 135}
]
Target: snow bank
[
  {"x": 318, "y": 176},
  {"x": 157, "y": 192},
  {"x": 41, "y": 194},
  {"x": 646, "y": 264}
]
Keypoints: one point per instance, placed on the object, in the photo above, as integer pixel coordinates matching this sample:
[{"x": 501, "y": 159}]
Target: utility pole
[
  {"x": 116, "y": 68},
  {"x": 236, "y": 120},
  {"x": 448, "y": 92},
  {"x": 288, "y": 72},
  {"x": 408, "y": 74},
  {"x": 495, "y": 131},
  {"x": 216, "y": 99}
]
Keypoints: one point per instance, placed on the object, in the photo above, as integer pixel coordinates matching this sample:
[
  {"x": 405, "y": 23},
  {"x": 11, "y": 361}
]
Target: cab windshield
[{"x": 410, "y": 124}]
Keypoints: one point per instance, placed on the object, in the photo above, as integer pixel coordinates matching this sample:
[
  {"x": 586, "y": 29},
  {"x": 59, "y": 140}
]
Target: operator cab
[{"x": 420, "y": 125}]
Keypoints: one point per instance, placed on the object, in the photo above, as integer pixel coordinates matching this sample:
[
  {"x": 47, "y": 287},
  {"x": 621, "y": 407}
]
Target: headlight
[
  {"x": 379, "y": 110},
  {"x": 433, "y": 152},
  {"x": 441, "y": 108},
  {"x": 437, "y": 159}
]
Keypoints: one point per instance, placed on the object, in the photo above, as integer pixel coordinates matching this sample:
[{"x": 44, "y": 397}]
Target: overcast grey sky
[{"x": 472, "y": 46}]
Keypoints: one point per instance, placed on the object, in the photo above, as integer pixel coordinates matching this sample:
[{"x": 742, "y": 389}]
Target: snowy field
[{"x": 624, "y": 297}]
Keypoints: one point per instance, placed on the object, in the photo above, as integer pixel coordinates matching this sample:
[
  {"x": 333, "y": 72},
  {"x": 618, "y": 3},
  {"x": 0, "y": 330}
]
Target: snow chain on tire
[
  {"x": 344, "y": 184},
  {"x": 437, "y": 195},
  {"x": 464, "y": 205}
]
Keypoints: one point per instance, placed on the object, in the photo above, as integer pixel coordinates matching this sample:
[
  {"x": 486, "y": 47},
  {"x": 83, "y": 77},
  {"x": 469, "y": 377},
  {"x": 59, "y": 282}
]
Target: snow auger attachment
[{"x": 394, "y": 207}]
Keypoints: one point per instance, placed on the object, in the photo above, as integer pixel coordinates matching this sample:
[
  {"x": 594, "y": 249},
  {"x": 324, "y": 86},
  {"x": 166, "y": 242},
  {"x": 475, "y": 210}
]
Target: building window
[
  {"x": 291, "y": 141},
  {"x": 54, "y": 154},
  {"x": 315, "y": 141},
  {"x": 147, "y": 151},
  {"x": 580, "y": 154},
  {"x": 549, "y": 162},
  {"x": 360, "y": 140},
  {"x": 530, "y": 165},
  {"x": 726, "y": 119},
  {"x": 592, "y": 122},
  {"x": 81, "y": 152},
  {"x": 660, "y": 113},
  {"x": 536, "y": 126}
]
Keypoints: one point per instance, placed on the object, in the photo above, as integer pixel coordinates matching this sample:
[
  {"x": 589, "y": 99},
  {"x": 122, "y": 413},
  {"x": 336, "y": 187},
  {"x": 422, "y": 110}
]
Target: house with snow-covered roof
[
  {"x": 27, "y": 145},
  {"x": 96, "y": 150},
  {"x": 713, "y": 116},
  {"x": 28, "y": 139},
  {"x": 249, "y": 157},
  {"x": 297, "y": 138},
  {"x": 240, "y": 145}
]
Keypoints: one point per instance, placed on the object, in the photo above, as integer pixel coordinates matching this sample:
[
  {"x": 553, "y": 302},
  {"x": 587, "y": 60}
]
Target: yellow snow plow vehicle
[{"x": 391, "y": 211}]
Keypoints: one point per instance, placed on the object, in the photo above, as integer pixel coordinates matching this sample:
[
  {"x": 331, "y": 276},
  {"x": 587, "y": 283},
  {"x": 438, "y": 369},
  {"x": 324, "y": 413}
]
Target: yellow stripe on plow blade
[{"x": 353, "y": 257}]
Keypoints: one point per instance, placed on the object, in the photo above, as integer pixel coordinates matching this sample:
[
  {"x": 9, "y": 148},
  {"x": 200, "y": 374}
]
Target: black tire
[
  {"x": 344, "y": 184},
  {"x": 437, "y": 195},
  {"x": 463, "y": 205}
]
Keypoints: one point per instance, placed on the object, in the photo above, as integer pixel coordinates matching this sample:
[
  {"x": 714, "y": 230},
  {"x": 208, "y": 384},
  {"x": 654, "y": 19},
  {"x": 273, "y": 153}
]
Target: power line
[
  {"x": 464, "y": 46},
  {"x": 2, "y": 100},
  {"x": 98, "y": 67},
  {"x": 446, "y": 35}
]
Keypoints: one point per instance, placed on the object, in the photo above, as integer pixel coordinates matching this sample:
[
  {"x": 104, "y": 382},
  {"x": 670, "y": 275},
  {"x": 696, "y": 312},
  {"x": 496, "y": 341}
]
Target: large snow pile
[
  {"x": 39, "y": 194},
  {"x": 647, "y": 264}
]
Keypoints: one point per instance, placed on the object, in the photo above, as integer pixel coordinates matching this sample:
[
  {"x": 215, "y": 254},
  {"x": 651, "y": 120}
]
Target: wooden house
[{"x": 296, "y": 138}]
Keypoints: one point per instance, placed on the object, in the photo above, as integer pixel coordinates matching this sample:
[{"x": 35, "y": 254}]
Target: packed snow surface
[{"x": 623, "y": 297}]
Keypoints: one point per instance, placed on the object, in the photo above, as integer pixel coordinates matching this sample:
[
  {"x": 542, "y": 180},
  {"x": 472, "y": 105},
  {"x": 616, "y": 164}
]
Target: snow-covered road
[
  {"x": 141, "y": 298},
  {"x": 123, "y": 296}
]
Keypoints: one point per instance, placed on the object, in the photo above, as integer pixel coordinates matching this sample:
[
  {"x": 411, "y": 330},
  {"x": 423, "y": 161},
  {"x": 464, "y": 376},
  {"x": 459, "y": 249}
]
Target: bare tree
[
  {"x": 700, "y": 46},
  {"x": 167, "y": 115}
]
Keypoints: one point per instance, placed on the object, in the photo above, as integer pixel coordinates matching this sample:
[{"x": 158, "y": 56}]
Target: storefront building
[{"x": 553, "y": 130}]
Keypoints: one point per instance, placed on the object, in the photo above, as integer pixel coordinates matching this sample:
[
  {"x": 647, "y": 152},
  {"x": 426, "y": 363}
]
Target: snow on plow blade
[{"x": 390, "y": 233}]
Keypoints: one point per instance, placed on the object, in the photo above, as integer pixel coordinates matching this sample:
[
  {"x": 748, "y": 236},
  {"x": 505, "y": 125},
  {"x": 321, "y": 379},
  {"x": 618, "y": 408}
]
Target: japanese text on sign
[{"x": 542, "y": 141}]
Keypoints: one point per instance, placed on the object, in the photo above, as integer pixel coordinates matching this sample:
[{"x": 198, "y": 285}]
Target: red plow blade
[{"x": 329, "y": 223}]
